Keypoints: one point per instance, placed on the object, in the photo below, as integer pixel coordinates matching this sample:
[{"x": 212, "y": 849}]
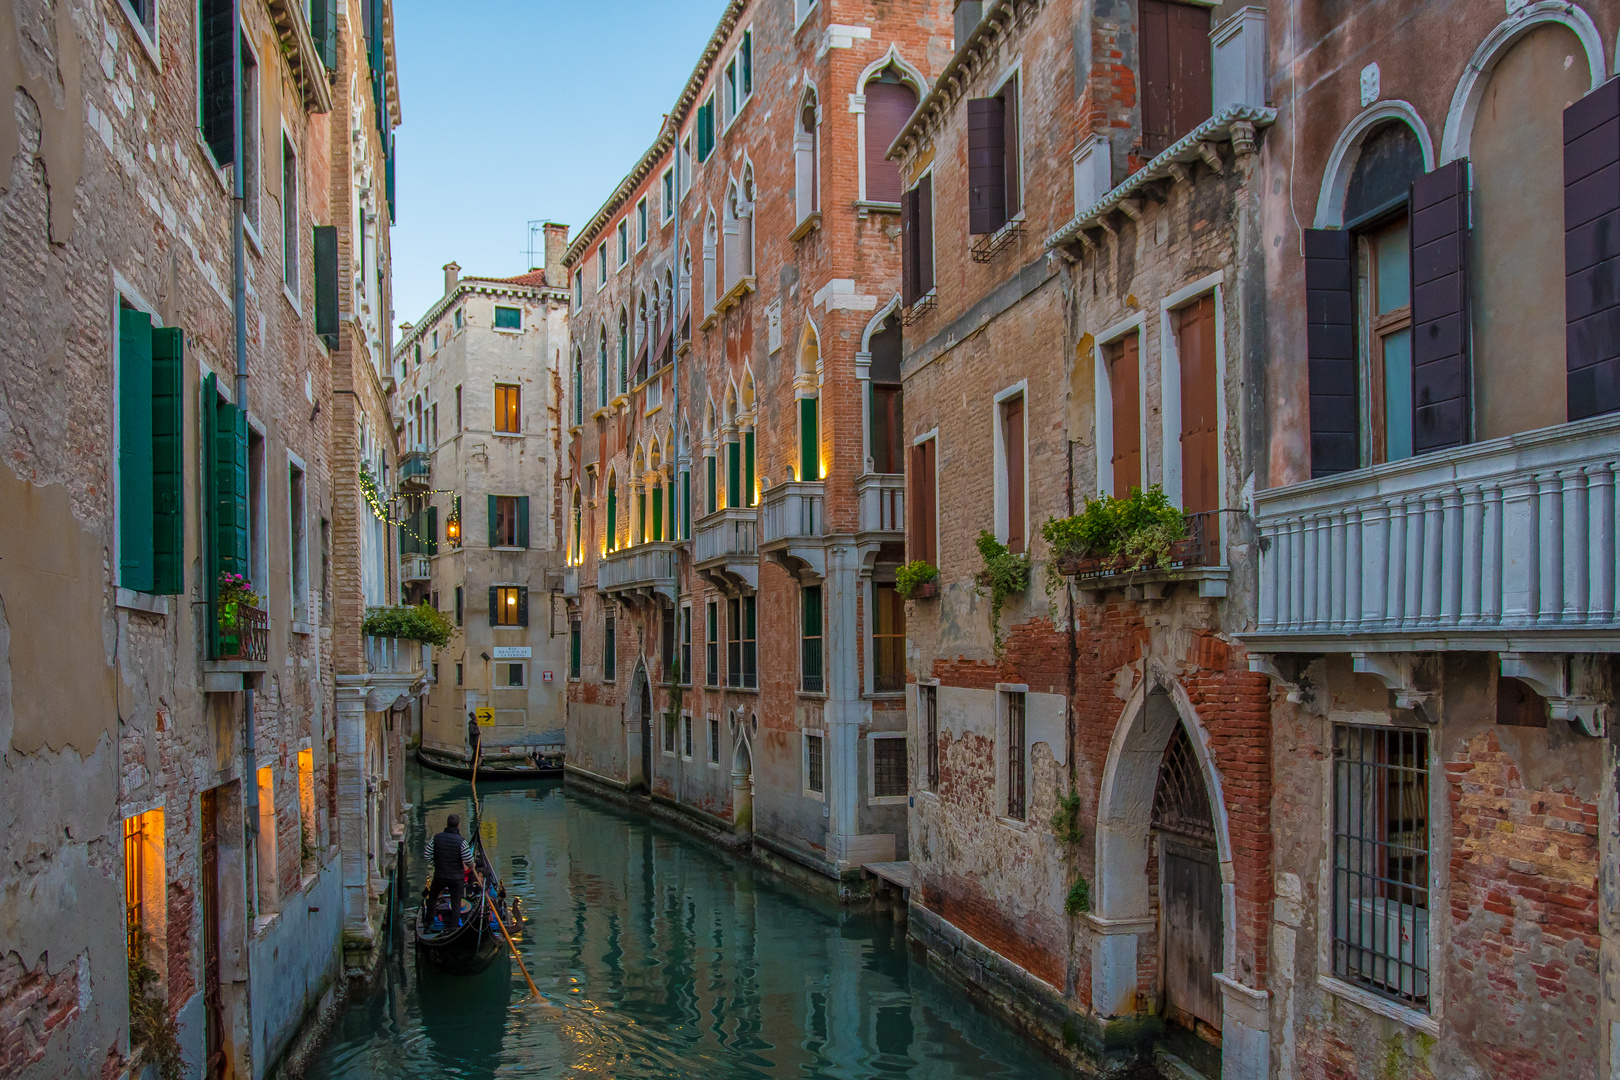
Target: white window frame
[
  {"x": 150, "y": 37},
  {"x": 1021, "y": 387},
  {"x": 684, "y": 734},
  {"x": 802, "y": 10},
  {"x": 251, "y": 126},
  {"x": 933, "y": 433},
  {"x": 298, "y": 550},
  {"x": 509, "y": 665},
  {"x": 579, "y": 290},
  {"x": 805, "y": 735},
  {"x": 1002, "y": 692},
  {"x": 518, "y": 329},
  {"x": 1104, "y": 411},
  {"x": 643, "y": 223},
  {"x": 872, "y": 798},
  {"x": 1016, "y": 70},
  {"x": 259, "y": 509},
  {"x": 683, "y": 167},
  {"x": 601, "y": 266},
  {"x": 292, "y": 290},
  {"x": 667, "y": 194},
  {"x": 622, "y": 234},
  {"x": 1170, "y": 386}
]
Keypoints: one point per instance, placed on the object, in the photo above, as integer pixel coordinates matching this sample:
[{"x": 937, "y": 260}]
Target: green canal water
[{"x": 659, "y": 957}]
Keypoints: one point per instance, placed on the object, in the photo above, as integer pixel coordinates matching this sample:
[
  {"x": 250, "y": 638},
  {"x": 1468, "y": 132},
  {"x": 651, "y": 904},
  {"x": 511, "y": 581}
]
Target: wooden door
[
  {"x": 1124, "y": 388},
  {"x": 213, "y": 1007},
  {"x": 1200, "y": 390},
  {"x": 1190, "y": 929}
]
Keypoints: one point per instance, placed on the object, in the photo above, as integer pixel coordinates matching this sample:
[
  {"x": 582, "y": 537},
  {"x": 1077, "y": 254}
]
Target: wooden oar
[{"x": 495, "y": 906}]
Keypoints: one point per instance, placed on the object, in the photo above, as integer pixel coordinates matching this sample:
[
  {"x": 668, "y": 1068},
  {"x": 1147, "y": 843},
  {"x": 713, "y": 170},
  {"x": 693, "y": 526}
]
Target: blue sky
[{"x": 523, "y": 109}]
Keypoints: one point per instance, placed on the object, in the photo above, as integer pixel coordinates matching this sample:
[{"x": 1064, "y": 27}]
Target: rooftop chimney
[
  {"x": 452, "y": 274},
  {"x": 556, "y": 245}
]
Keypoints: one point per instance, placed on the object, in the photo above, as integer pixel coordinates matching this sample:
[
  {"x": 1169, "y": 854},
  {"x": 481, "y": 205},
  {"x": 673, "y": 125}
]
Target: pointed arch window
[
  {"x": 890, "y": 101},
  {"x": 806, "y": 181}
]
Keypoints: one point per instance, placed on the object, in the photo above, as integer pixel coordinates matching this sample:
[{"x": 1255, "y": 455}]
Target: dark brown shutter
[
  {"x": 1012, "y": 144},
  {"x": 922, "y": 503},
  {"x": 1012, "y": 448},
  {"x": 1592, "y": 251},
  {"x": 908, "y": 248},
  {"x": 1177, "y": 89},
  {"x": 925, "y": 235},
  {"x": 1330, "y": 351},
  {"x": 1440, "y": 374},
  {"x": 987, "y": 177},
  {"x": 1153, "y": 52},
  {"x": 1200, "y": 437},
  {"x": 888, "y": 107},
  {"x": 1125, "y": 388}
]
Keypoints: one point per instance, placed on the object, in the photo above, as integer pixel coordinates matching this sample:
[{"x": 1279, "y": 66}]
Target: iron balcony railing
[
  {"x": 241, "y": 633},
  {"x": 416, "y": 470}
]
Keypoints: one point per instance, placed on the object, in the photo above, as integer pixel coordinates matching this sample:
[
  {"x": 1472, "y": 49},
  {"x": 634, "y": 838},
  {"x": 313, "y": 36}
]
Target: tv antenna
[{"x": 536, "y": 226}]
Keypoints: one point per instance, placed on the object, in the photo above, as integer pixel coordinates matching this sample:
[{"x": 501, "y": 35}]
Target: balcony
[
  {"x": 416, "y": 471},
  {"x": 241, "y": 635},
  {"x": 413, "y": 568},
  {"x": 725, "y": 548},
  {"x": 794, "y": 525},
  {"x": 396, "y": 672},
  {"x": 1196, "y": 559},
  {"x": 883, "y": 505},
  {"x": 644, "y": 572},
  {"x": 1506, "y": 546},
  {"x": 570, "y": 583}
]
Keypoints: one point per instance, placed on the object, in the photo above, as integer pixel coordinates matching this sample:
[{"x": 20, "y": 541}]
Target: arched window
[
  {"x": 887, "y": 431},
  {"x": 808, "y": 388},
  {"x": 579, "y": 387},
  {"x": 643, "y": 337},
  {"x": 711, "y": 240},
  {"x": 806, "y": 181},
  {"x": 602, "y": 366},
  {"x": 890, "y": 101},
  {"x": 613, "y": 512},
  {"x": 624, "y": 351},
  {"x": 711, "y": 479},
  {"x": 666, "y": 312},
  {"x": 576, "y": 550}
]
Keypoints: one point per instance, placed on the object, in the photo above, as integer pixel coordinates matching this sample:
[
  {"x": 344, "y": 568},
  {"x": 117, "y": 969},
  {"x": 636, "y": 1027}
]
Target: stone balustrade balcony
[
  {"x": 725, "y": 548},
  {"x": 643, "y": 571},
  {"x": 416, "y": 471},
  {"x": 794, "y": 525},
  {"x": 415, "y": 567},
  {"x": 882, "y": 498}
]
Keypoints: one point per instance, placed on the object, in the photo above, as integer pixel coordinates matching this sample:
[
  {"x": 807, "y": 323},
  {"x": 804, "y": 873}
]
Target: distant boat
[{"x": 535, "y": 766}]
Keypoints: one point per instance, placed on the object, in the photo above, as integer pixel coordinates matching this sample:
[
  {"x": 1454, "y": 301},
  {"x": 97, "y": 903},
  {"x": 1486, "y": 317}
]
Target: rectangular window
[
  {"x": 683, "y": 174},
  {"x": 459, "y": 595},
  {"x": 686, "y": 736},
  {"x": 1381, "y": 861},
  {"x": 810, "y": 640},
  {"x": 666, "y": 642},
  {"x": 328, "y": 287},
  {"x": 508, "y": 318},
  {"x": 928, "y": 706},
  {"x": 145, "y": 15},
  {"x": 714, "y": 740},
  {"x": 290, "y": 231},
  {"x": 923, "y": 537},
  {"x": 145, "y": 889},
  {"x": 731, "y": 98},
  {"x": 610, "y": 646},
  {"x": 1016, "y": 766},
  {"x": 509, "y": 675},
  {"x": 1122, "y": 363},
  {"x": 666, "y": 203},
  {"x": 1012, "y": 469},
  {"x": 216, "y": 60},
  {"x": 669, "y": 734},
  {"x": 813, "y": 764},
  {"x": 509, "y": 524},
  {"x": 750, "y": 676},
  {"x": 1200, "y": 389},
  {"x": 258, "y": 511},
  {"x": 1174, "y": 51},
  {"x": 508, "y": 411},
  {"x": 624, "y": 241},
  {"x": 150, "y": 506},
  {"x": 251, "y": 180},
  {"x": 579, "y": 290},
  {"x": 459, "y": 425},
  {"x": 888, "y": 639},
  {"x": 573, "y": 647},
  {"x": 298, "y": 544},
  {"x": 734, "y": 642},
  {"x": 745, "y": 61},
  {"x": 711, "y": 675},
  {"x": 641, "y": 223},
  {"x": 705, "y": 129},
  {"x": 1385, "y": 299},
  {"x": 509, "y": 605},
  {"x": 686, "y": 645},
  {"x": 460, "y": 674},
  {"x": 460, "y": 321},
  {"x": 601, "y": 264},
  {"x": 889, "y": 768},
  {"x": 809, "y": 439}
]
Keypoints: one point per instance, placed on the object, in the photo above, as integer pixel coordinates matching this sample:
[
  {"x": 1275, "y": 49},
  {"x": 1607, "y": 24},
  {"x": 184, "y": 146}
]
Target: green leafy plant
[
  {"x": 1093, "y": 532},
  {"x": 1142, "y": 528},
  {"x": 911, "y": 577},
  {"x": 234, "y": 592},
  {"x": 1078, "y": 901},
  {"x": 1006, "y": 575},
  {"x": 150, "y": 1025},
  {"x": 1066, "y": 828},
  {"x": 422, "y": 623}
]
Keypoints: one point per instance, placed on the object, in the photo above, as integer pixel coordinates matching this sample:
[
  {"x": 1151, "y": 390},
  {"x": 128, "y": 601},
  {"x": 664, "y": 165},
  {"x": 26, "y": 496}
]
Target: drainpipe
[{"x": 250, "y": 762}]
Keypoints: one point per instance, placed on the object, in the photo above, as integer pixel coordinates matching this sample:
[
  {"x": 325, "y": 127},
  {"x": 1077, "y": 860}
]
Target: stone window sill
[
  {"x": 1401, "y": 1014},
  {"x": 1014, "y": 824},
  {"x": 147, "y": 602},
  {"x": 888, "y": 800}
]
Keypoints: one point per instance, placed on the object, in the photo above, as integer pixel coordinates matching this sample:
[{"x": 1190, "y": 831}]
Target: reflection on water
[{"x": 658, "y": 957}]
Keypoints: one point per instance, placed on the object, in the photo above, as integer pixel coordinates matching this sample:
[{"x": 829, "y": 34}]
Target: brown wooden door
[
  {"x": 1124, "y": 387},
  {"x": 1200, "y": 435},
  {"x": 1190, "y": 928},
  {"x": 213, "y": 1007}
]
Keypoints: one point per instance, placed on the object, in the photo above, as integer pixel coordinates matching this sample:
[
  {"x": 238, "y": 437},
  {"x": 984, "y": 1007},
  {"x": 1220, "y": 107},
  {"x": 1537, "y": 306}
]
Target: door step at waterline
[{"x": 1171, "y": 1067}]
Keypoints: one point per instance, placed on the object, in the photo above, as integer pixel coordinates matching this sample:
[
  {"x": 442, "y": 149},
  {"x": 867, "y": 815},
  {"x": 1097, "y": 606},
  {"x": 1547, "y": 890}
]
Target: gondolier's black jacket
[{"x": 449, "y": 853}]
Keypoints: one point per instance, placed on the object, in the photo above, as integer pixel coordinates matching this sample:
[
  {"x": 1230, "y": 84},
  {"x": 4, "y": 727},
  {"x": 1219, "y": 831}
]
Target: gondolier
[
  {"x": 473, "y": 736},
  {"x": 451, "y": 857}
]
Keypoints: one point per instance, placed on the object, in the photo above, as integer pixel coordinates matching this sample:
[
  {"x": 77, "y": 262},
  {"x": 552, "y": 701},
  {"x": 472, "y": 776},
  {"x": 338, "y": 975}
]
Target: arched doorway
[
  {"x": 742, "y": 780},
  {"x": 638, "y": 731},
  {"x": 1191, "y": 937}
]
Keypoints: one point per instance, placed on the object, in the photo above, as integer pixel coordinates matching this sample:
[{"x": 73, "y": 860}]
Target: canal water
[{"x": 658, "y": 957}]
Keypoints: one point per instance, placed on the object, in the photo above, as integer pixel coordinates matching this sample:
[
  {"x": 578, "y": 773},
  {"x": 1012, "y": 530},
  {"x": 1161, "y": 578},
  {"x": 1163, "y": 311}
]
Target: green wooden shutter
[
  {"x": 431, "y": 534},
  {"x": 168, "y": 461},
  {"x": 229, "y": 496},
  {"x": 523, "y": 605},
  {"x": 686, "y": 505},
  {"x": 714, "y": 490},
  {"x": 216, "y": 40},
  {"x": 733, "y": 474},
  {"x": 809, "y": 441},
  {"x": 747, "y": 65},
  {"x": 494, "y": 605},
  {"x": 494, "y": 540},
  {"x": 207, "y": 410},
  {"x": 326, "y": 275},
  {"x": 613, "y": 519},
  {"x": 748, "y": 468},
  {"x": 523, "y": 521},
  {"x": 136, "y": 568},
  {"x": 323, "y": 27},
  {"x": 669, "y": 508},
  {"x": 657, "y": 513}
]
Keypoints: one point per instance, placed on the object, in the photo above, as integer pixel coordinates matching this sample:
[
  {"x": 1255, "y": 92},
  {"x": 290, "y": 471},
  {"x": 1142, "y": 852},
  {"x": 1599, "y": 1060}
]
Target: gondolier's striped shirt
[{"x": 466, "y": 851}]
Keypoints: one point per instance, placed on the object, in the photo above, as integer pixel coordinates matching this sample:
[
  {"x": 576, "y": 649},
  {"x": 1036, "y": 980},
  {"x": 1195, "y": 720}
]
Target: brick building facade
[
  {"x": 1435, "y": 515},
  {"x": 733, "y": 524},
  {"x": 1090, "y": 838},
  {"x": 170, "y": 790}
]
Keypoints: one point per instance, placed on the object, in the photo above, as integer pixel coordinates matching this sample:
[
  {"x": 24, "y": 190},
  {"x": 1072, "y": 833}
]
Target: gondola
[
  {"x": 534, "y": 767},
  {"x": 471, "y": 947}
]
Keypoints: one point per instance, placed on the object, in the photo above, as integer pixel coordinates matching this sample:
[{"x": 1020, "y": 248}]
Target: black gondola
[
  {"x": 535, "y": 766},
  {"x": 471, "y": 947}
]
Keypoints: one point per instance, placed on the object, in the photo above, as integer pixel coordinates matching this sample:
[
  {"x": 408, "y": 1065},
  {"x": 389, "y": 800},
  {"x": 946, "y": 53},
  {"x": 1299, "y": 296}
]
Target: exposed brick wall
[{"x": 34, "y": 1005}]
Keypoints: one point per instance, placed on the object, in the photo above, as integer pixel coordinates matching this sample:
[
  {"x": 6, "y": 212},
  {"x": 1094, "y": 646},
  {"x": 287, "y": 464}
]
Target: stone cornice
[{"x": 480, "y": 287}]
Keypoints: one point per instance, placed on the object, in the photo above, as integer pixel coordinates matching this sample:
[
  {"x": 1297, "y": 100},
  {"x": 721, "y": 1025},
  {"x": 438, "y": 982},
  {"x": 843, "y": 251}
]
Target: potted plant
[
  {"x": 917, "y": 580},
  {"x": 423, "y": 623},
  {"x": 1112, "y": 535},
  {"x": 233, "y": 597}
]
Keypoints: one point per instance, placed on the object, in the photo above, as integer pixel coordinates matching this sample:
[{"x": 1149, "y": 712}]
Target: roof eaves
[{"x": 955, "y": 75}]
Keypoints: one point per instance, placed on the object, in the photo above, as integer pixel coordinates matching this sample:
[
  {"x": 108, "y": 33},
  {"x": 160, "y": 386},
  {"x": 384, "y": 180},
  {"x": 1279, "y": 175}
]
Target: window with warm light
[
  {"x": 508, "y": 409},
  {"x": 510, "y": 605}
]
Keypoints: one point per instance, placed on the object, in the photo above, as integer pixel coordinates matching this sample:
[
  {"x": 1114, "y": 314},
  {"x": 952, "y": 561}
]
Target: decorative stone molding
[
  {"x": 1400, "y": 672},
  {"x": 1569, "y": 685}
]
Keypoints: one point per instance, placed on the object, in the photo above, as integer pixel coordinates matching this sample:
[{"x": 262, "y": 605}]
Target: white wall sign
[{"x": 512, "y": 652}]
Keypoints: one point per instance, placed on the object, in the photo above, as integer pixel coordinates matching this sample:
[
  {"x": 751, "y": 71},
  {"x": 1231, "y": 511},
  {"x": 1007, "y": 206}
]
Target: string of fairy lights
[{"x": 380, "y": 509}]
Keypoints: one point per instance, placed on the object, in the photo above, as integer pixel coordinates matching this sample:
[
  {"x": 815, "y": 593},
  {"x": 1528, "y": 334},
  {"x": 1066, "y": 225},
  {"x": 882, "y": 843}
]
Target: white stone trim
[{"x": 1336, "y": 177}]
